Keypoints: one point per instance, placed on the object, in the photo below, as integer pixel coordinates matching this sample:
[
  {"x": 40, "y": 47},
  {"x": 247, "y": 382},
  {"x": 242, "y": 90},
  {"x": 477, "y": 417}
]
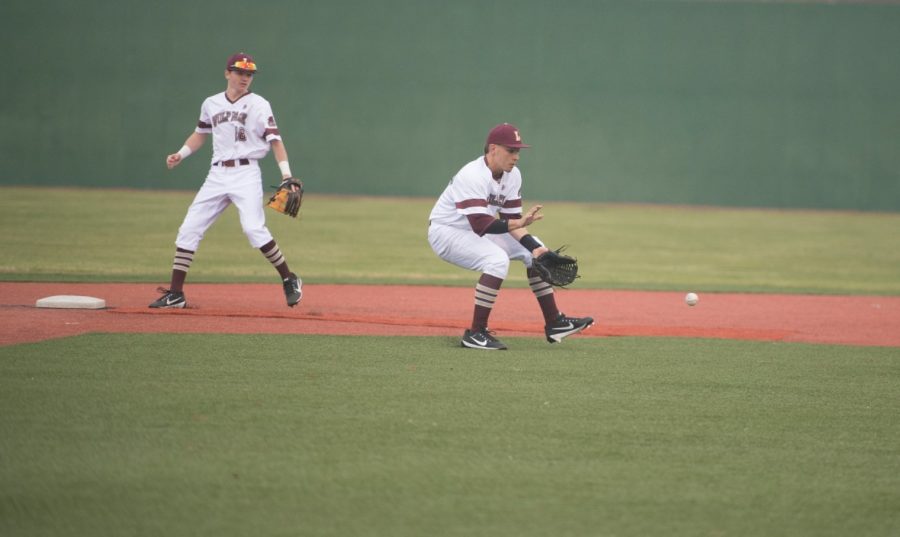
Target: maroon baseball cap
[
  {"x": 506, "y": 135},
  {"x": 241, "y": 62}
]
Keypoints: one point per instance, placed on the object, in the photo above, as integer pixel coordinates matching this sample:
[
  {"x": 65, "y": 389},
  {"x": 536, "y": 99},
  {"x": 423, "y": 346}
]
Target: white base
[{"x": 71, "y": 302}]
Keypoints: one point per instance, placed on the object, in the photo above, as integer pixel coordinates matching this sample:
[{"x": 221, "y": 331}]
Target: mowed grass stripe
[{"x": 323, "y": 435}]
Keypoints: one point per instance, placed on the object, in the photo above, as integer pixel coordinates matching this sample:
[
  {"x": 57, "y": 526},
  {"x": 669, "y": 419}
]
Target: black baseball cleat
[
  {"x": 564, "y": 327},
  {"x": 483, "y": 340},
  {"x": 170, "y": 299},
  {"x": 293, "y": 289}
]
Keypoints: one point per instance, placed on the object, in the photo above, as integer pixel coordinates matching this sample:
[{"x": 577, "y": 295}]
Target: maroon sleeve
[{"x": 480, "y": 222}]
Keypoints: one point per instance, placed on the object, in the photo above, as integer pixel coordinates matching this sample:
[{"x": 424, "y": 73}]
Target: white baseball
[{"x": 691, "y": 299}]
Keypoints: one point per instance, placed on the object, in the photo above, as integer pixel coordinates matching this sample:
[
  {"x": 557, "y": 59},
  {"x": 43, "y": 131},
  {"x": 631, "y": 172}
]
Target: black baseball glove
[
  {"x": 556, "y": 268},
  {"x": 287, "y": 200}
]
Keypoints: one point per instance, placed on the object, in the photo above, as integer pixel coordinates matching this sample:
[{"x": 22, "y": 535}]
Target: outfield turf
[
  {"x": 119, "y": 235},
  {"x": 331, "y": 436}
]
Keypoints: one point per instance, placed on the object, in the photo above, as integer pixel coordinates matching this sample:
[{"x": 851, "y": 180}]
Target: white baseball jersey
[
  {"x": 468, "y": 205},
  {"x": 473, "y": 191},
  {"x": 240, "y": 129}
]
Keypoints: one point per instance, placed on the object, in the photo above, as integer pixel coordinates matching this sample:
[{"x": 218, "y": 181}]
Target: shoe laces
[
  {"x": 561, "y": 320},
  {"x": 487, "y": 333}
]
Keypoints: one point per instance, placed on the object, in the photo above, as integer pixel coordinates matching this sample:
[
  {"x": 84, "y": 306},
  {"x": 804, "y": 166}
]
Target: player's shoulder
[
  {"x": 258, "y": 104},
  {"x": 473, "y": 177},
  {"x": 476, "y": 169},
  {"x": 256, "y": 98},
  {"x": 215, "y": 98},
  {"x": 256, "y": 101}
]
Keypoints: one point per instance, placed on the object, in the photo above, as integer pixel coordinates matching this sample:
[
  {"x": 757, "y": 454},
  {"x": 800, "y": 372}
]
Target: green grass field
[
  {"x": 235, "y": 435},
  {"x": 103, "y": 235},
  {"x": 226, "y": 435}
]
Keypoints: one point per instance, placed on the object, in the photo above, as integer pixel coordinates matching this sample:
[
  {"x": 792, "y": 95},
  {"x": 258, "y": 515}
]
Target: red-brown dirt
[{"x": 446, "y": 311}]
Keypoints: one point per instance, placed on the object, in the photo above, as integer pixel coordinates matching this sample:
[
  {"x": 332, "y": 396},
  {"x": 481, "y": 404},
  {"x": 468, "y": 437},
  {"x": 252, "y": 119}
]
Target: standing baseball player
[
  {"x": 477, "y": 224},
  {"x": 243, "y": 129}
]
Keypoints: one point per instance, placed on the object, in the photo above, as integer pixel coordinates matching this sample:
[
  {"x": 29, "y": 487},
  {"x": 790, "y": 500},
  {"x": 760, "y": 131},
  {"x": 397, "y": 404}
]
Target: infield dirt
[{"x": 446, "y": 311}]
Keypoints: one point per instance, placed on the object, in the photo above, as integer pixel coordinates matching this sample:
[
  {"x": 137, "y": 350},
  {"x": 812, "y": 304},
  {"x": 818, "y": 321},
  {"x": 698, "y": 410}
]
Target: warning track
[{"x": 445, "y": 311}]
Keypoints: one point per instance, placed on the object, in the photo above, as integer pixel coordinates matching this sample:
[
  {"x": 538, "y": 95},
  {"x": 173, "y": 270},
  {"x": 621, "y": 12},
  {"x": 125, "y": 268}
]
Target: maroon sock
[
  {"x": 274, "y": 255},
  {"x": 180, "y": 266},
  {"x": 486, "y": 292},
  {"x": 543, "y": 291}
]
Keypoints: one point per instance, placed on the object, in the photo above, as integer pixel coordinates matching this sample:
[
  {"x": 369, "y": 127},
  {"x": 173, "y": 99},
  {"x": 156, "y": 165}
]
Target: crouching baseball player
[
  {"x": 243, "y": 129},
  {"x": 465, "y": 230}
]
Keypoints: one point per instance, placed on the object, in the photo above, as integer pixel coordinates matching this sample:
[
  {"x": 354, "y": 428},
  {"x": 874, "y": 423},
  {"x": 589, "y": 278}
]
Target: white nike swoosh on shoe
[
  {"x": 480, "y": 343},
  {"x": 568, "y": 327},
  {"x": 559, "y": 336},
  {"x": 170, "y": 302}
]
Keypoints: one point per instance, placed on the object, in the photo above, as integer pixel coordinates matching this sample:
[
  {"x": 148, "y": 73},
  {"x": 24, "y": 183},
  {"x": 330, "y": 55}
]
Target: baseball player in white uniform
[
  {"x": 243, "y": 129},
  {"x": 477, "y": 224}
]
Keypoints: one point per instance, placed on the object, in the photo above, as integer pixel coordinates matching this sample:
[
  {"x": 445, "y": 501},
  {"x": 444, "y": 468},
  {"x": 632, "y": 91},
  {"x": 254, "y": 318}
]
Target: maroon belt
[{"x": 232, "y": 163}]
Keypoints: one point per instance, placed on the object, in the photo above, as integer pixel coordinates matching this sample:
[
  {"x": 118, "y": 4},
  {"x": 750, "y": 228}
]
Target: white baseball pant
[
  {"x": 489, "y": 254},
  {"x": 240, "y": 185}
]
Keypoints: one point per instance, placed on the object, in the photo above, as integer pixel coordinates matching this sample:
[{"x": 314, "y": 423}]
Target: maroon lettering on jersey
[
  {"x": 496, "y": 200},
  {"x": 228, "y": 116}
]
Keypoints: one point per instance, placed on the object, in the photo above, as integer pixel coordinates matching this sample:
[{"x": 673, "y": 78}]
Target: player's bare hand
[
  {"x": 173, "y": 160},
  {"x": 537, "y": 252},
  {"x": 533, "y": 215}
]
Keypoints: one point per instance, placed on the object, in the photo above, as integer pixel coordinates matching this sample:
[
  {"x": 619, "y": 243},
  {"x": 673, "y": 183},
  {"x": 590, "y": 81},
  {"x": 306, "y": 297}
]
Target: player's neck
[
  {"x": 496, "y": 171},
  {"x": 235, "y": 94}
]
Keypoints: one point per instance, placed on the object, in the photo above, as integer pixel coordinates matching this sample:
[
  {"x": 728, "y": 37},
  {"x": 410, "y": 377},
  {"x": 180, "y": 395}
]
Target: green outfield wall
[{"x": 777, "y": 104}]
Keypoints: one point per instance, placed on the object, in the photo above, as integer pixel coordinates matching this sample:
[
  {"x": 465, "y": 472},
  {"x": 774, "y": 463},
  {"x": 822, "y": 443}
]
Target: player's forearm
[
  {"x": 281, "y": 157},
  {"x": 483, "y": 224},
  {"x": 519, "y": 232},
  {"x": 525, "y": 239},
  {"x": 279, "y": 151},
  {"x": 195, "y": 141}
]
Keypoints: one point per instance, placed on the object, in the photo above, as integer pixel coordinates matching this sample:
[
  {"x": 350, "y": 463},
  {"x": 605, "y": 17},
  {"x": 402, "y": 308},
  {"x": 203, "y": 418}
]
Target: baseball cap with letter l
[
  {"x": 506, "y": 135},
  {"x": 241, "y": 62}
]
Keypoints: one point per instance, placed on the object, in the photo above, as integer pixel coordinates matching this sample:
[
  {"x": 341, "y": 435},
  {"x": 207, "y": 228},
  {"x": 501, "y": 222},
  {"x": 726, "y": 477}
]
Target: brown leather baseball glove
[{"x": 288, "y": 198}]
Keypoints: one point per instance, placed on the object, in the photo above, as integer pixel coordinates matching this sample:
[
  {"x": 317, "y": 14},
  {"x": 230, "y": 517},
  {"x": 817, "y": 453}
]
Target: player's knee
[
  {"x": 497, "y": 265},
  {"x": 188, "y": 240},
  {"x": 258, "y": 237}
]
